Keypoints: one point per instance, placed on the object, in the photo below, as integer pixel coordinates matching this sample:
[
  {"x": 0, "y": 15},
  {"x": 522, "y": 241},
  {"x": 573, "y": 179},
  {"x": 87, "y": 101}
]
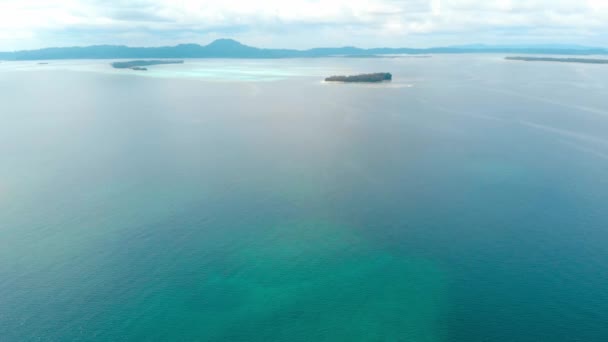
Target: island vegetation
[
  {"x": 561, "y": 60},
  {"x": 141, "y": 64},
  {"x": 382, "y": 56},
  {"x": 363, "y": 78}
]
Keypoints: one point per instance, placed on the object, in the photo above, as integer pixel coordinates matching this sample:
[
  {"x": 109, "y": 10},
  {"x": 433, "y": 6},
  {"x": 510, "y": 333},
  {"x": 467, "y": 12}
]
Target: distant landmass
[
  {"x": 364, "y": 78},
  {"x": 561, "y": 60},
  {"x": 141, "y": 64},
  {"x": 228, "y": 48}
]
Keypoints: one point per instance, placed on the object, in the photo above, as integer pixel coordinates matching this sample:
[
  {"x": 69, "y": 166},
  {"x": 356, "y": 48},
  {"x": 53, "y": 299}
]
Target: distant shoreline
[
  {"x": 228, "y": 48},
  {"x": 559, "y": 60}
]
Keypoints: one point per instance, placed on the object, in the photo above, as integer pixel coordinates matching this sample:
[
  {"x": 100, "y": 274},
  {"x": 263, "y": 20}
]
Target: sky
[{"x": 301, "y": 24}]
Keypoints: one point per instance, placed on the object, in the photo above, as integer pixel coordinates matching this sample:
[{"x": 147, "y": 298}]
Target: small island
[
  {"x": 561, "y": 60},
  {"x": 140, "y": 64},
  {"x": 363, "y": 78}
]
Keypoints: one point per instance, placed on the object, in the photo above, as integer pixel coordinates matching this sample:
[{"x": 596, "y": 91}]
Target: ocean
[{"x": 248, "y": 200}]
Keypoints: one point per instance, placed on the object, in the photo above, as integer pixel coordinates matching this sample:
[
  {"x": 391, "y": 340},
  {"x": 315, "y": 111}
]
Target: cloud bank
[{"x": 302, "y": 23}]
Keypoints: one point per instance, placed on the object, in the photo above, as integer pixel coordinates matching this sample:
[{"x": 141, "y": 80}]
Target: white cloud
[{"x": 301, "y": 23}]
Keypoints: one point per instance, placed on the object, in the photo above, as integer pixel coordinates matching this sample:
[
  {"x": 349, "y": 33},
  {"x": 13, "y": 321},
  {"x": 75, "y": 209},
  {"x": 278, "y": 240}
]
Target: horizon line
[{"x": 470, "y": 46}]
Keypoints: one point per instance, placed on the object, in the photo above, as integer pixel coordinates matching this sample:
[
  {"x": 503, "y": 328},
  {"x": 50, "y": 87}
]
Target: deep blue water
[{"x": 248, "y": 201}]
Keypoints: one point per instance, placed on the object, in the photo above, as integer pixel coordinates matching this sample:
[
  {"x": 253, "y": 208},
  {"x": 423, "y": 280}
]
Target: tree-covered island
[
  {"x": 363, "y": 78},
  {"x": 141, "y": 64},
  {"x": 562, "y": 60}
]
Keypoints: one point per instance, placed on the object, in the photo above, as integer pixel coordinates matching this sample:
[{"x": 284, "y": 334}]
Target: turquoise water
[{"x": 238, "y": 200}]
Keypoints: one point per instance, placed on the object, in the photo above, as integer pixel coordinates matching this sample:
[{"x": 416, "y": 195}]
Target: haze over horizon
[{"x": 302, "y": 24}]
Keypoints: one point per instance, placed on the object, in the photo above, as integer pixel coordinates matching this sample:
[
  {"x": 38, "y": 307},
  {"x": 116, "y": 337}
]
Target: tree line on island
[
  {"x": 141, "y": 64},
  {"x": 560, "y": 60},
  {"x": 363, "y": 78}
]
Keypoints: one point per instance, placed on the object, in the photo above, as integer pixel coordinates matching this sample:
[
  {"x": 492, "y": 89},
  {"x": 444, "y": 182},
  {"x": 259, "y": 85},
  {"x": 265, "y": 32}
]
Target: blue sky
[{"x": 27, "y": 24}]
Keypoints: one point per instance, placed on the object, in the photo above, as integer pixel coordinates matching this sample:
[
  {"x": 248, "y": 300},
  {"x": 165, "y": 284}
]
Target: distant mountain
[{"x": 228, "y": 48}]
